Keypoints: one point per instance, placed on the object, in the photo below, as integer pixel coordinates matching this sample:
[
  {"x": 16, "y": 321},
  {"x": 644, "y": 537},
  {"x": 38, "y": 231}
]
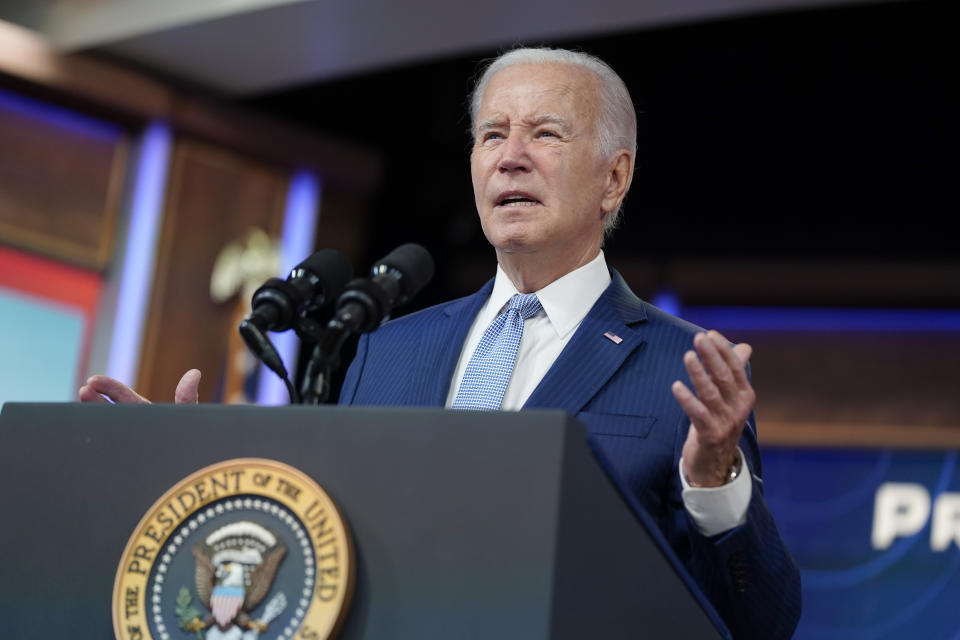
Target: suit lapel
[
  {"x": 449, "y": 332},
  {"x": 591, "y": 358}
]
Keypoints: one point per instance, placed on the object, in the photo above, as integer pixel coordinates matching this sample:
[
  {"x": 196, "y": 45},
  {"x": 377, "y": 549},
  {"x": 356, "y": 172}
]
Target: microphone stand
[
  {"x": 359, "y": 309},
  {"x": 324, "y": 359}
]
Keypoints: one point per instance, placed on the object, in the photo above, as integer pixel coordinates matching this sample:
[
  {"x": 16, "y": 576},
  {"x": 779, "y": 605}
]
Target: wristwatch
[
  {"x": 735, "y": 468},
  {"x": 732, "y": 473}
]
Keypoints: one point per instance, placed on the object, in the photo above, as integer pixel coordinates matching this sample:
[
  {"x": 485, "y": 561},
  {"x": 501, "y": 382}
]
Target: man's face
[{"x": 538, "y": 178}]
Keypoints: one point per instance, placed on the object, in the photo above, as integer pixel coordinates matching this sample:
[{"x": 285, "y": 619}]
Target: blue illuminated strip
[
  {"x": 296, "y": 243},
  {"x": 823, "y": 319},
  {"x": 59, "y": 117},
  {"x": 811, "y": 319},
  {"x": 141, "y": 243},
  {"x": 667, "y": 301}
]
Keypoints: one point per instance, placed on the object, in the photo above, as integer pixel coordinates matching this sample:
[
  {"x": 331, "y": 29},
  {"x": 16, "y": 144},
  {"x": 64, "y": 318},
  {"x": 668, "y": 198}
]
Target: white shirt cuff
[{"x": 718, "y": 509}]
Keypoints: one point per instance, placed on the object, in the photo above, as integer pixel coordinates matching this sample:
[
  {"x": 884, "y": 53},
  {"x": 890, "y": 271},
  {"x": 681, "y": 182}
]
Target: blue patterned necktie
[{"x": 491, "y": 364}]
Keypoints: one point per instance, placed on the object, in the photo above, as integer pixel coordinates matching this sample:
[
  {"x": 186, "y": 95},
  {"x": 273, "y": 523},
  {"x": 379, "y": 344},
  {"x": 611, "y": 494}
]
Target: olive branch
[{"x": 186, "y": 612}]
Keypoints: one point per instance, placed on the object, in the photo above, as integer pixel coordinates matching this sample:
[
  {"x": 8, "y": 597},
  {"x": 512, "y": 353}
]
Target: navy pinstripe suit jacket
[{"x": 622, "y": 393}]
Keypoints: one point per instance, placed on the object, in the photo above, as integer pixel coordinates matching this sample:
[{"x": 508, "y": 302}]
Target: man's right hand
[{"x": 105, "y": 389}]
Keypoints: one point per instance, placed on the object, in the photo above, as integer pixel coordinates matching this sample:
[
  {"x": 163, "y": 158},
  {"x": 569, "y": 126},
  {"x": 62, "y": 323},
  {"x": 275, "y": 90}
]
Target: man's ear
[{"x": 619, "y": 176}]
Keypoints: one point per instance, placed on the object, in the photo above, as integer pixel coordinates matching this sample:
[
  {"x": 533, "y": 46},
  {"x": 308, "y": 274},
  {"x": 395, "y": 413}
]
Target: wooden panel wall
[
  {"x": 229, "y": 171},
  {"x": 214, "y": 197},
  {"x": 868, "y": 388},
  {"x": 61, "y": 177}
]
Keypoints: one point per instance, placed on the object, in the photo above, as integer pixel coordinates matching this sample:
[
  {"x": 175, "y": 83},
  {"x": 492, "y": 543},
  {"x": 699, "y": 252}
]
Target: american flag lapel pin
[{"x": 612, "y": 337}]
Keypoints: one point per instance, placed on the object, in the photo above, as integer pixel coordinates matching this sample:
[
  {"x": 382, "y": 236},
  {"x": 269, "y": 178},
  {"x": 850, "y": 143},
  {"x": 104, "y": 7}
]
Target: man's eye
[
  {"x": 491, "y": 135},
  {"x": 547, "y": 134}
]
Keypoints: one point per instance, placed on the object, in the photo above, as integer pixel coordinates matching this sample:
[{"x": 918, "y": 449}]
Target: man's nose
[{"x": 513, "y": 155}]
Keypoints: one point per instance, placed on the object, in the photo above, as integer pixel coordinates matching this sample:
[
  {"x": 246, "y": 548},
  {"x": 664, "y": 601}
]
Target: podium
[{"x": 464, "y": 524}]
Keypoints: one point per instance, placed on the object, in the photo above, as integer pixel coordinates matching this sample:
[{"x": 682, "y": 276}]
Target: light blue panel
[{"x": 40, "y": 349}]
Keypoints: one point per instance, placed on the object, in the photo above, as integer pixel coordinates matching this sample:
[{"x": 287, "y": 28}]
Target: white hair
[{"x": 616, "y": 123}]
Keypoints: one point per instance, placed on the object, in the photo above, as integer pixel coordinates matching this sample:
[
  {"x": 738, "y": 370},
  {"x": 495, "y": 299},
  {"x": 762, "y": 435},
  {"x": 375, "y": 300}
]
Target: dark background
[{"x": 806, "y": 136}]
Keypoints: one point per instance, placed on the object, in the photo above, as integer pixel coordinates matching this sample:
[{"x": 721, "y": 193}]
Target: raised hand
[
  {"x": 718, "y": 411},
  {"x": 105, "y": 389}
]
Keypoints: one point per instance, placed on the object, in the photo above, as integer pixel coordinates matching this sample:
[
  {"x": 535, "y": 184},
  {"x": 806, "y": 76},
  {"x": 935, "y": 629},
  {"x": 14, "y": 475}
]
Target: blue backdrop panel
[{"x": 824, "y": 503}]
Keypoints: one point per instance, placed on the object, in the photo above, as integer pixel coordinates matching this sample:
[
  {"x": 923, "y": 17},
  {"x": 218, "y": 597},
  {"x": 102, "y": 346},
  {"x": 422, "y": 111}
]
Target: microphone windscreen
[
  {"x": 332, "y": 270},
  {"x": 415, "y": 265}
]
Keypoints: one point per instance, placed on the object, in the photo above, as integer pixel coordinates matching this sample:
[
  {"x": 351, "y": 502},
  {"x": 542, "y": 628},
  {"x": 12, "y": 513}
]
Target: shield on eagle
[{"x": 225, "y": 603}]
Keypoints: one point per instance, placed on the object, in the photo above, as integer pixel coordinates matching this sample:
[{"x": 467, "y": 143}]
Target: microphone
[
  {"x": 314, "y": 282},
  {"x": 364, "y": 303},
  {"x": 277, "y": 304},
  {"x": 396, "y": 278}
]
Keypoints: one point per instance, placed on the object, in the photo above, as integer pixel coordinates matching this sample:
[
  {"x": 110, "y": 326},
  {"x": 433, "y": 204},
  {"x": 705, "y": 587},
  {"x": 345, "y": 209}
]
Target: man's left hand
[{"x": 719, "y": 410}]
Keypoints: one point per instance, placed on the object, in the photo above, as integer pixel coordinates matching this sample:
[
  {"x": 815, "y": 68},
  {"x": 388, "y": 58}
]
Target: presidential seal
[{"x": 241, "y": 550}]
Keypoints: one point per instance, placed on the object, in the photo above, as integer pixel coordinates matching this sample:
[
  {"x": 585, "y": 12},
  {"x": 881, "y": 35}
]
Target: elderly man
[{"x": 553, "y": 156}]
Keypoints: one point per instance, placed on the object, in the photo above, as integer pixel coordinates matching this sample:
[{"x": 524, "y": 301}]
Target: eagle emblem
[
  {"x": 235, "y": 568},
  {"x": 243, "y": 544}
]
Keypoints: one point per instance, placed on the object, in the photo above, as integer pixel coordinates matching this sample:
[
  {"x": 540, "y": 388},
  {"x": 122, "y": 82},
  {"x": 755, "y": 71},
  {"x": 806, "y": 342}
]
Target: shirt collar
[{"x": 566, "y": 300}]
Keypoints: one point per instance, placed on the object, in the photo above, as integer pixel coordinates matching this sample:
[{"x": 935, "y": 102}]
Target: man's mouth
[{"x": 516, "y": 199}]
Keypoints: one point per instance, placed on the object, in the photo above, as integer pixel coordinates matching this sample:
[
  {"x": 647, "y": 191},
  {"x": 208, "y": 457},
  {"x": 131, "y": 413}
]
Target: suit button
[{"x": 738, "y": 572}]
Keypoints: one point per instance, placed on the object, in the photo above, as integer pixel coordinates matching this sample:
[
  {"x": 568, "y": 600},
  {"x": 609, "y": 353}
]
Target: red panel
[
  {"x": 56, "y": 283},
  {"x": 53, "y": 281}
]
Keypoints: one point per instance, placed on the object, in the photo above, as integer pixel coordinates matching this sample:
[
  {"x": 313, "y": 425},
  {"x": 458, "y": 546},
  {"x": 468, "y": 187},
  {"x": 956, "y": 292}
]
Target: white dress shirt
[{"x": 566, "y": 302}]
